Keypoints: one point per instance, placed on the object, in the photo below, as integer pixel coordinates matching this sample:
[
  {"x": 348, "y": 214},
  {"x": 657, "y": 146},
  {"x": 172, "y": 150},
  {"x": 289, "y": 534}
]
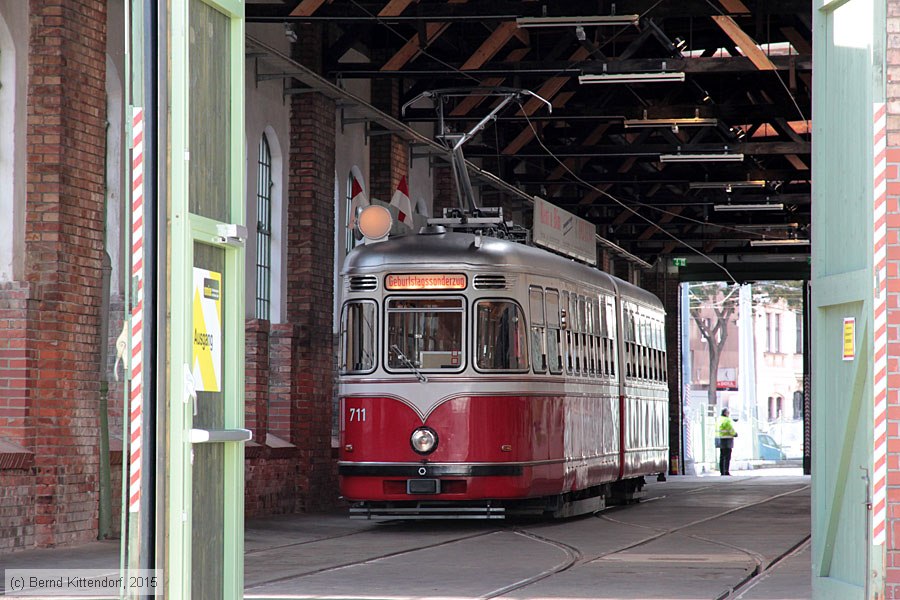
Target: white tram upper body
[{"x": 484, "y": 375}]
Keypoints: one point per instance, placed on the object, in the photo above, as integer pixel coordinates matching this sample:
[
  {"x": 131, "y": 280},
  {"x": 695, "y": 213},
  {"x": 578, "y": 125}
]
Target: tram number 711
[{"x": 357, "y": 414}]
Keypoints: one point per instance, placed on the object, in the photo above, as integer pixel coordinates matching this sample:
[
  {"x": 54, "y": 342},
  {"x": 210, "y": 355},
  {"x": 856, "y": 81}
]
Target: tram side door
[{"x": 205, "y": 470}]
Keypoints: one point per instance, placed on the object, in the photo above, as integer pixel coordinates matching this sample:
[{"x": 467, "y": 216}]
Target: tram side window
[
  {"x": 575, "y": 327},
  {"x": 662, "y": 352},
  {"x": 604, "y": 365},
  {"x": 643, "y": 367},
  {"x": 611, "y": 334},
  {"x": 592, "y": 335},
  {"x": 500, "y": 337},
  {"x": 538, "y": 338},
  {"x": 566, "y": 317},
  {"x": 358, "y": 337},
  {"x": 554, "y": 341},
  {"x": 425, "y": 333},
  {"x": 629, "y": 345}
]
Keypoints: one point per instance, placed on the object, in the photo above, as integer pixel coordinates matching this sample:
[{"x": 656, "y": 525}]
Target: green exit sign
[{"x": 679, "y": 262}]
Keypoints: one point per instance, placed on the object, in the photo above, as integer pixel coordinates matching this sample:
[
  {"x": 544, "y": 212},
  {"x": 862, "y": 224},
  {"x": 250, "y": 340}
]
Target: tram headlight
[
  {"x": 424, "y": 440},
  {"x": 375, "y": 222}
]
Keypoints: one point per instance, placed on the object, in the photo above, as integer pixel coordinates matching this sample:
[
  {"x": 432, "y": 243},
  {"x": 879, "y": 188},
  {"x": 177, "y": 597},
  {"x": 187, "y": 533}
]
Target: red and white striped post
[
  {"x": 137, "y": 311},
  {"x": 879, "y": 381}
]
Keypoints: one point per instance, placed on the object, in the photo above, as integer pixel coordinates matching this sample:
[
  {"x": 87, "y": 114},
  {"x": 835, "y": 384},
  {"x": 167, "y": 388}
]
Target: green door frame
[{"x": 186, "y": 229}]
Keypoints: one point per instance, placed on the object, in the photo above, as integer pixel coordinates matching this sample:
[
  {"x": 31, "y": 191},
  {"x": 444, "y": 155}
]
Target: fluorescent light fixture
[
  {"x": 788, "y": 242},
  {"x": 655, "y": 77},
  {"x": 723, "y": 157},
  {"x": 525, "y": 22},
  {"x": 726, "y": 185},
  {"x": 673, "y": 123},
  {"x": 748, "y": 207}
]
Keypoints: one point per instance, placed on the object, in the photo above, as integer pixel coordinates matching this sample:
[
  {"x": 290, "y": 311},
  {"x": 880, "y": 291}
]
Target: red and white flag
[
  {"x": 402, "y": 202},
  {"x": 358, "y": 197}
]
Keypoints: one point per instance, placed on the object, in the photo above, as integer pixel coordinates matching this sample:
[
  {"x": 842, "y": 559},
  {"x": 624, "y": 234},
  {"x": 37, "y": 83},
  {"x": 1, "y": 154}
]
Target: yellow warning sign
[
  {"x": 849, "y": 338},
  {"x": 207, "y": 361}
]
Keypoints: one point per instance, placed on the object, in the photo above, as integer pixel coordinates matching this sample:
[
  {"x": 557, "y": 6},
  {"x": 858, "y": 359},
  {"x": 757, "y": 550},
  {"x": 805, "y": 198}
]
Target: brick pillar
[
  {"x": 310, "y": 283},
  {"x": 66, "y": 125},
  {"x": 444, "y": 190},
  {"x": 666, "y": 288},
  {"x": 388, "y": 154}
]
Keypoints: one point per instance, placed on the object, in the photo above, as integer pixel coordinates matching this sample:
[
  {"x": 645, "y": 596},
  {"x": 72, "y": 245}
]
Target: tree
[{"x": 714, "y": 296}]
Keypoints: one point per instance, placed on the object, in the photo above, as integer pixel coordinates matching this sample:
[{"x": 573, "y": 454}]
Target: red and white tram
[{"x": 484, "y": 377}]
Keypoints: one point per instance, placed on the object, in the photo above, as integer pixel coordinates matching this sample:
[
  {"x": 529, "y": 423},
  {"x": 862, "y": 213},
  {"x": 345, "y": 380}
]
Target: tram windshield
[{"x": 425, "y": 333}]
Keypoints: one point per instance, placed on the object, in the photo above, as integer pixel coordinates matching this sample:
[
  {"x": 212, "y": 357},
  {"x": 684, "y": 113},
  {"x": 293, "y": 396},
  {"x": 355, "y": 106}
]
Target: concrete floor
[{"x": 692, "y": 538}]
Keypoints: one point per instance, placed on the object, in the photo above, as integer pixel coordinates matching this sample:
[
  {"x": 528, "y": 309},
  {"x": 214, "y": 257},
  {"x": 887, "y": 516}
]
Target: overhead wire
[{"x": 627, "y": 207}]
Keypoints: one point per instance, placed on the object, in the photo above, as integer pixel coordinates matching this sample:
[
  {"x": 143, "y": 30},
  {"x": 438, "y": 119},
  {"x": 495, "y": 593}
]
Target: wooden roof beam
[
  {"x": 493, "y": 44},
  {"x": 394, "y": 8},
  {"x": 800, "y": 43},
  {"x": 735, "y": 7},
  {"x": 665, "y": 218},
  {"x": 593, "y": 138},
  {"x": 472, "y": 102},
  {"x": 306, "y": 8},
  {"x": 547, "y": 91},
  {"x": 414, "y": 46},
  {"x": 744, "y": 42}
]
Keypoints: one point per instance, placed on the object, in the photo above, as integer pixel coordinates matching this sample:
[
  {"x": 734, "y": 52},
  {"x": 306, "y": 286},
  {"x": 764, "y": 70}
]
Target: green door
[
  {"x": 206, "y": 257},
  {"x": 847, "y": 562}
]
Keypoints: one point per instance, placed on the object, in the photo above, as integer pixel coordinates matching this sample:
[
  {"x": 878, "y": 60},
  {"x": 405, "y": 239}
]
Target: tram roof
[{"x": 441, "y": 251}]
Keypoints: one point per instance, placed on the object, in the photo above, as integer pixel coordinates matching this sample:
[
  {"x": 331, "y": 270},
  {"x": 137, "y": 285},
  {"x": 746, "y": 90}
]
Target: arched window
[{"x": 264, "y": 186}]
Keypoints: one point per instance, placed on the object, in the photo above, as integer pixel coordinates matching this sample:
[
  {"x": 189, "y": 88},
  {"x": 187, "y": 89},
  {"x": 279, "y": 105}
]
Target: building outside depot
[{"x": 770, "y": 422}]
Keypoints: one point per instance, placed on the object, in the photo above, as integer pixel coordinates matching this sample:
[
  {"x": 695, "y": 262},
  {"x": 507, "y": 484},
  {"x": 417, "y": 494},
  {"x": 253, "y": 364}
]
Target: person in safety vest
[{"x": 725, "y": 435}]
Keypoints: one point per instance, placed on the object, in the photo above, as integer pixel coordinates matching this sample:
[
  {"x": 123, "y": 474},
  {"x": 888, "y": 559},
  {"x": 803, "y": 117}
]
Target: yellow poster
[
  {"x": 849, "y": 338},
  {"x": 207, "y": 361}
]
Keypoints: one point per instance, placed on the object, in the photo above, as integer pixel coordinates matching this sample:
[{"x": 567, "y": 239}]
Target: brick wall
[
  {"x": 892, "y": 546},
  {"x": 444, "y": 190},
  {"x": 16, "y": 364},
  {"x": 17, "y": 509},
  {"x": 892, "y": 564},
  {"x": 281, "y": 359},
  {"x": 256, "y": 377},
  {"x": 270, "y": 480},
  {"x": 310, "y": 285},
  {"x": 57, "y": 355}
]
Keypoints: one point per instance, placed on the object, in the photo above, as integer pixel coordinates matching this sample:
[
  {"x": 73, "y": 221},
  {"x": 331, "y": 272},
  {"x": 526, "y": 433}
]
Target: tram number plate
[{"x": 423, "y": 486}]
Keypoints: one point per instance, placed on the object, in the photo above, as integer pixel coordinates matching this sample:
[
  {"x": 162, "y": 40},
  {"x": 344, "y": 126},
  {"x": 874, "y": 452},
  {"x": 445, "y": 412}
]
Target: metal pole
[
  {"x": 148, "y": 69},
  {"x": 159, "y": 290}
]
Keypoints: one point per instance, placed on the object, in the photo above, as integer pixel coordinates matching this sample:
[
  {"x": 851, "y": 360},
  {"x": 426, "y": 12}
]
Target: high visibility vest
[{"x": 725, "y": 428}]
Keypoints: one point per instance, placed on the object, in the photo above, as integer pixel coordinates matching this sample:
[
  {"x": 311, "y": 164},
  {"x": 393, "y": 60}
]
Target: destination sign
[
  {"x": 425, "y": 281},
  {"x": 564, "y": 232}
]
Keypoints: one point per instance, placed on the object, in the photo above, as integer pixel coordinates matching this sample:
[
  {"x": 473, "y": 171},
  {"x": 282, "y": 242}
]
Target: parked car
[{"x": 769, "y": 448}]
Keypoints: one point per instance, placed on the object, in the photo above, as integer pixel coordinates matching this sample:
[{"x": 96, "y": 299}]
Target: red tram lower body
[{"x": 497, "y": 448}]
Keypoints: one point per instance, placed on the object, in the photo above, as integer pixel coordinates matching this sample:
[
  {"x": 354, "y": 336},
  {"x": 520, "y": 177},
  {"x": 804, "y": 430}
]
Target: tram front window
[{"x": 425, "y": 333}]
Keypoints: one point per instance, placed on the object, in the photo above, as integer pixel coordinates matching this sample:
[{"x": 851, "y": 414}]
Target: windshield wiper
[{"x": 409, "y": 363}]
